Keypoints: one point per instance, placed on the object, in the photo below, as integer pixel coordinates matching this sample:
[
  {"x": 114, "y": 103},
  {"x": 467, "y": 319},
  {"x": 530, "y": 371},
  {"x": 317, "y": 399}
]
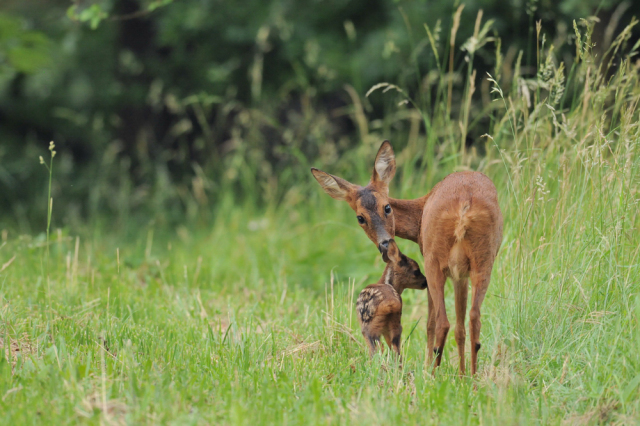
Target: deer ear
[
  {"x": 393, "y": 252},
  {"x": 385, "y": 165},
  {"x": 336, "y": 187}
]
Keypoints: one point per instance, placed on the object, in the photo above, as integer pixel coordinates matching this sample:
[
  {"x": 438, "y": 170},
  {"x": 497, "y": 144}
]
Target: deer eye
[
  {"x": 387, "y": 209},
  {"x": 417, "y": 273},
  {"x": 361, "y": 220}
]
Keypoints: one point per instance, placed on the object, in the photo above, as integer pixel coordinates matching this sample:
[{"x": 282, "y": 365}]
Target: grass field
[{"x": 252, "y": 321}]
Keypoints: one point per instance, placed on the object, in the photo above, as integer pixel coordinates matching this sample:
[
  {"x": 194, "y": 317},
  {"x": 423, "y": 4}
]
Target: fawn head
[
  {"x": 371, "y": 202},
  {"x": 402, "y": 272}
]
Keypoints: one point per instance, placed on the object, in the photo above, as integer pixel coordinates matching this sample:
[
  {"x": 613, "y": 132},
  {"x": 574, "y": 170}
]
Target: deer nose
[{"x": 383, "y": 246}]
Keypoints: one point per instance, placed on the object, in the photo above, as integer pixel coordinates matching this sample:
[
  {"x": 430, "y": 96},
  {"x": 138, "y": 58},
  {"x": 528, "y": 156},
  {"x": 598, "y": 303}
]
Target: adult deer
[{"x": 458, "y": 226}]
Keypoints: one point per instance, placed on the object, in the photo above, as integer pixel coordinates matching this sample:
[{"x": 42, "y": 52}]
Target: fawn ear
[
  {"x": 385, "y": 165},
  {"x": 336, "y": 187},
  {"x": 392, "y": 254}
]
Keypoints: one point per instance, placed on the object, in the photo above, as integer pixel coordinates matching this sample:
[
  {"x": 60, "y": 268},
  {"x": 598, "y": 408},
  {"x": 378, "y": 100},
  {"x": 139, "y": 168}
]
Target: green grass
[{"x": 252, "y": 321}]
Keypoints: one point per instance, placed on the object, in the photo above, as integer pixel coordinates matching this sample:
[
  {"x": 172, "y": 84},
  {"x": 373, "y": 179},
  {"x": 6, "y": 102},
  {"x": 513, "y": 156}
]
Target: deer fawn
[
  {"x": 379, "y": 305},
  {"x": 458, "y": 226}
]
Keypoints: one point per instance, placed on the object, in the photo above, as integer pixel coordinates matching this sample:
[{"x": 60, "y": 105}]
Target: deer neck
[
  {"x": 408, "y": 217},
  {"x": 389, "y": 279}
]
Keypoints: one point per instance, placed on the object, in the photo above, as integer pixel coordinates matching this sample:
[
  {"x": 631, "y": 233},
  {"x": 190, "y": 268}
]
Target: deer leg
[
  {"x": 387, "y": 338},
  {"x": 479, "y": 285},
  {"x": 431, "y": 329},
  {"x": 461, "y": 288},
  {"x": 396, "y": 339},
  {"x": 392, "y": 337},
  {"x": 373, "y": 341},
  {"x": 394, "y": 334},
  {"x": 436, "y": 280},
  {"x": 370, "y": 338}
]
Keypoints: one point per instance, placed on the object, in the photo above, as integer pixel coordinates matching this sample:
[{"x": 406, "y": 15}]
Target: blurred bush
[{"x": 160, "y": 108}]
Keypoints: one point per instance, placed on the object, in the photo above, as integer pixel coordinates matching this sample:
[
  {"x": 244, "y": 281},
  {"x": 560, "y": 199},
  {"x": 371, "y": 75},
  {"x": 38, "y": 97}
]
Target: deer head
[
  {"x": 402, "y": 272},
  {"x": 371, "y": 202}
]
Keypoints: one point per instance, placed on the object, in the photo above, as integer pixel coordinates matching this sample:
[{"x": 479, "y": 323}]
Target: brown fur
[
  {"x": 379, "y": 306},
  {"x": 458, "y": 226}
]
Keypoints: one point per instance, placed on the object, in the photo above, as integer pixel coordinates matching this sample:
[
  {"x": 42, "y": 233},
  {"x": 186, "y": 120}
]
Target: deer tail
[{"x": 463, "y": 221}]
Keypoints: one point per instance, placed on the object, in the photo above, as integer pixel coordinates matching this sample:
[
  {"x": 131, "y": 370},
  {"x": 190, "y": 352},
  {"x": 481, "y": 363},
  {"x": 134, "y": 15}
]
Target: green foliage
[
  {"x": 95, "y": 13},
  {"x": 21, "y": 50},
  {"x": 166, "y": 99},
  {"x": 92, "y": 14}
]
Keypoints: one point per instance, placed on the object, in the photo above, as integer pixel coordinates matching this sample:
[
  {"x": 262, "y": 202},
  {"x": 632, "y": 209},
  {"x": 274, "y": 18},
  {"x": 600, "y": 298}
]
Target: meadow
[{"x": 251, "y": 318}]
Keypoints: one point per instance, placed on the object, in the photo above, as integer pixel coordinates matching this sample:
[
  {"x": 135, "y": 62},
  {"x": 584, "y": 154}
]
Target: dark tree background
[{"x": 167, "y": 104}]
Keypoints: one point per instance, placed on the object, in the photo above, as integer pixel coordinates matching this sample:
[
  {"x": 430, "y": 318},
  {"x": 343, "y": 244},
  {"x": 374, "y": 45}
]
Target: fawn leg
[
  {"x": 436, "y": 280},
  {"x": 387, "y": 338},
  {"x": 396, "y": 338},
  {"x": 393, "y": 333},
  {"x": 371, "y": 339},
  {"x": 479, "y": 285},
  {"x": 461, "y": 288}
]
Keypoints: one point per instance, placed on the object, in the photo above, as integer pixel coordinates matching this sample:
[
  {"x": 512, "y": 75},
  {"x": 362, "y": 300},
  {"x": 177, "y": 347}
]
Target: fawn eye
[
  {"x": 387, "y": 209},
  {"x": 417, "y": 273},
  {"x": 361, "y": 220}
]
